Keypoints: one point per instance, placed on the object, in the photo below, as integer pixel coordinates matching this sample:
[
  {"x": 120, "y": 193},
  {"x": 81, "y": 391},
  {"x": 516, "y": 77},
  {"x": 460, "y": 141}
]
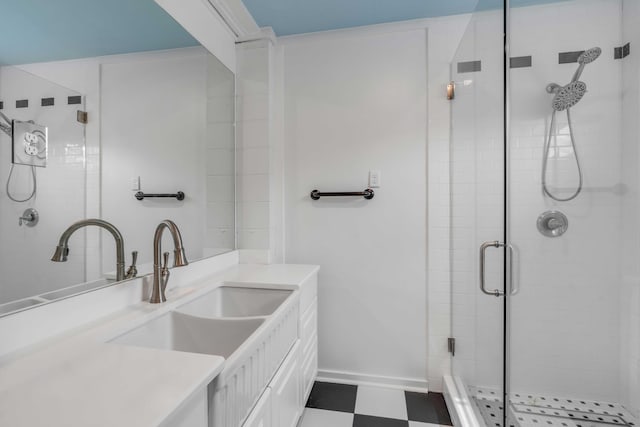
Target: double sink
[{"x": 216, "y": 323}]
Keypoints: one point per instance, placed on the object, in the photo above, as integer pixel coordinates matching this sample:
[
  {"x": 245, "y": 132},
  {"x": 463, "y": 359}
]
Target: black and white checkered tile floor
[{"x": 341, "y": 405}]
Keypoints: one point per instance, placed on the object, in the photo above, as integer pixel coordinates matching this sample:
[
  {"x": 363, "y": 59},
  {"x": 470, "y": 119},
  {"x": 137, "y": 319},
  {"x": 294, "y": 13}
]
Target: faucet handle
[
  {"x": 165, "y": 260},
  {"x": 132, "y": 271},
  {"x": 164, "y": 271},
  {"x": 29, "y": 218}
]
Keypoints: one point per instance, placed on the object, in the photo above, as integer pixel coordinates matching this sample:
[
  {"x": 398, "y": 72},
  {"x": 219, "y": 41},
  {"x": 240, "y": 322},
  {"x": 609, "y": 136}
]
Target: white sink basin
[
  {"x": 181, "y": 332},
  {"x": 228, "y": 301}
]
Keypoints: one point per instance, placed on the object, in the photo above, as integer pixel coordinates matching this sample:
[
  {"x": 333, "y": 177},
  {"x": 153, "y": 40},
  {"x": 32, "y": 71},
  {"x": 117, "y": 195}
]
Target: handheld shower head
[
  {"x": 568, "y": 96},
  {"x": 564, "y": 98},
  {"x": 587, "y": 57}
]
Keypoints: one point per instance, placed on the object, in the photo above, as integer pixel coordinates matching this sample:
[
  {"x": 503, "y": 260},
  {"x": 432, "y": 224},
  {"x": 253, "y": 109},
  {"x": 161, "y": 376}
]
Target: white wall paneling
[{"x": 259, "y": 150}]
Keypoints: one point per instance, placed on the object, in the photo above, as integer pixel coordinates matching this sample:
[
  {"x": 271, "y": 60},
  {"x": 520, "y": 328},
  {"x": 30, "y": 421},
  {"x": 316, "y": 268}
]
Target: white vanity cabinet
[
  {"x": 308, "y": 332},
  {"x": 286, "y": 404},
  {"x": 279, "y": 405},
  {"x": 261, "y": 414},
  {"x": 282, "y": 403}
]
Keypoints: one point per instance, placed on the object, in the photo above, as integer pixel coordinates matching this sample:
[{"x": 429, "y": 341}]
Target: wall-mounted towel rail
[
  {"x": 367, "y": 194},
  {"x": 141, "y": 196}
]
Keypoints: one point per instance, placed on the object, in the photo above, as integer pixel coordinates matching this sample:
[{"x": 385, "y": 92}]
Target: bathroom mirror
[{"x": 132, "y": 104}]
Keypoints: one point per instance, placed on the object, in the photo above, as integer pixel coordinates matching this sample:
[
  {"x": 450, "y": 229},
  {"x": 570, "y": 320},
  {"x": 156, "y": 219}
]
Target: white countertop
[{"x": 79, "y": 379}]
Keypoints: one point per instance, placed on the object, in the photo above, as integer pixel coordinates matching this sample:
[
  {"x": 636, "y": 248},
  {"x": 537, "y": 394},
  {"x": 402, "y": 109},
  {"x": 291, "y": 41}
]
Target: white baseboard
[{"x": 408, "y": 384}]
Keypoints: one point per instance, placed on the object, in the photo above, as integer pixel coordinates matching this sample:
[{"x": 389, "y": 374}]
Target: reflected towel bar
[
  {"x": 140, "y": 195},
  {"x": 367, "y": 194}
]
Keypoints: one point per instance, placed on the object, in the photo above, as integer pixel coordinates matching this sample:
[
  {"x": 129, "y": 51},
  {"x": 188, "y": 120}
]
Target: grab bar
[
  {"x": 483, "y": 250},
  {"x": 141, "y": 196},
  {"x": 367, "y": 194}
]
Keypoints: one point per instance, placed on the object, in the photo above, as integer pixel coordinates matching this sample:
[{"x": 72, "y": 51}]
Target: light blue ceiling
[
  {"x": 306, "y": 16},
  {"x": 46, "y": 30}
]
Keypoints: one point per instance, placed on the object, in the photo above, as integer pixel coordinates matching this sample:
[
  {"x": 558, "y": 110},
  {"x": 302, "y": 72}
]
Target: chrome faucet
[
  {"x": 161, "y": 272},
  {"x": 62, "y": 250}
]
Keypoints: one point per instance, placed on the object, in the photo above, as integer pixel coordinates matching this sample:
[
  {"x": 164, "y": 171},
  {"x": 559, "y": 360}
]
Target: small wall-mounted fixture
[
  {"x": 82, "y": 117},
  {"x": 552, "y": 223},
  {"x": 451, "y": 90},
  {"x": 30, "y": 218}
]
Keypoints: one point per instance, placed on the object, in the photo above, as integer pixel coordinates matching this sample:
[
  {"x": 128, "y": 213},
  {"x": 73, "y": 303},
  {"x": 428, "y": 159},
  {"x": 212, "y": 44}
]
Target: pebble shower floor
[{"x": 527, "y": 410}]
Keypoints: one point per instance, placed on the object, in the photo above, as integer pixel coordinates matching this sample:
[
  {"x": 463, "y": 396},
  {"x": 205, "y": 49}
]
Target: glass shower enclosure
[{"x": 545, "y": 220}]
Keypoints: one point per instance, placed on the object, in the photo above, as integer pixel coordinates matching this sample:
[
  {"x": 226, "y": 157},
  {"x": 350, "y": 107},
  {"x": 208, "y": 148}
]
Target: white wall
[
  {"x": 373, "y": 98},
  {"x": 356, "y": 101},
  {"x": 153, "y": 126}
]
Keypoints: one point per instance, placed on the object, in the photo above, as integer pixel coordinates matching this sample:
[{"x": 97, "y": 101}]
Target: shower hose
[
  {"x": 33, "y": 192},
  {"x": 545, "y": 160}
]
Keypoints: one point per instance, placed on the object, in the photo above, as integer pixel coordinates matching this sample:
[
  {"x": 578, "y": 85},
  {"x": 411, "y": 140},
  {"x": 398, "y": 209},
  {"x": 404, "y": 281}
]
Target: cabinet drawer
[
  {"x": 309, "y": 324},
  {"x": 260, "y": 416},
  {"x": 309, "y": 370},
  {"x": 308, "y": 292},
  {"x": 286, "y": 404}
]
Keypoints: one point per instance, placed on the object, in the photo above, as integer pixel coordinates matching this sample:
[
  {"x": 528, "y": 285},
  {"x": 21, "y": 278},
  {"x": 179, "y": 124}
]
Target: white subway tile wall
[
  {"x": 221, "y": 161},
  {"x": 253, "y": 110},
  {"x": 60, "y": 198}
]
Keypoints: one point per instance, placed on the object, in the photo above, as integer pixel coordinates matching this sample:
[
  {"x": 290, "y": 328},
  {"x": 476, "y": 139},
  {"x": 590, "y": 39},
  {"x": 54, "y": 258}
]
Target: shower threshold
[{"x": 527, "y": 410}]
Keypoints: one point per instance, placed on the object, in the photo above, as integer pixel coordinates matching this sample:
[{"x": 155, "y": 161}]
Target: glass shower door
[
  {"x": 573, "y": 343},
  {"x": 563, "y": 347},
  {"x": 477, "y": 165}
]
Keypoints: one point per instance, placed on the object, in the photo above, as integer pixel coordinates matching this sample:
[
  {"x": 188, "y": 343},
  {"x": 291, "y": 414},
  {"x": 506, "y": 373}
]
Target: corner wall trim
[
  {"x": 409, "y": 384},
  {"x": 236, "y": 16}
]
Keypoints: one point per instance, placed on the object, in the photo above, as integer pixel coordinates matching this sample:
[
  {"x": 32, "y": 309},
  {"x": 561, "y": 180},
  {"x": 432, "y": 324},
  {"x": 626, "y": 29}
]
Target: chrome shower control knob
[
  {"x": 30, "y": 218},
  {"x": 552, "y": 223}
]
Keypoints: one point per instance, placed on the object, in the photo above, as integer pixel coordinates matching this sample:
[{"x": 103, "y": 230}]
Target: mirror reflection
[{"x": 134, "y": 109}]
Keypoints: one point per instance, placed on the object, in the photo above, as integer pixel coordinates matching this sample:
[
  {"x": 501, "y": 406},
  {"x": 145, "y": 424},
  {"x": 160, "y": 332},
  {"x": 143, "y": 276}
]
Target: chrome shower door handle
[
  {"x": 483, "y": 250},
  {"x": 513, "y": 289}
]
